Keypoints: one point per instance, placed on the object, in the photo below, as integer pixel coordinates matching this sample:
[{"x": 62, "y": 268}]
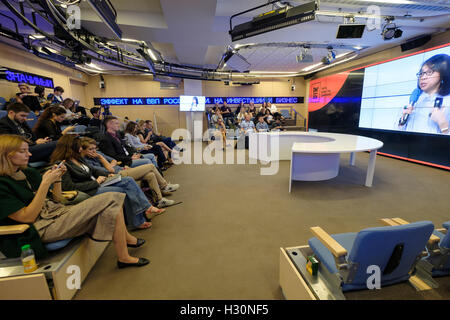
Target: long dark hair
[
  {"x": 48, "y": 114},
  {"x": 131, "y": 128},
  {"x": 439, "y": 63},
  {"x": 67, "y": 148}
]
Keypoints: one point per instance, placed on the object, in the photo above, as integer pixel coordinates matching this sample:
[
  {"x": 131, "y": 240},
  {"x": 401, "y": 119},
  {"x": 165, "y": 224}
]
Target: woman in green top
[{"x": 23, "y": 200}]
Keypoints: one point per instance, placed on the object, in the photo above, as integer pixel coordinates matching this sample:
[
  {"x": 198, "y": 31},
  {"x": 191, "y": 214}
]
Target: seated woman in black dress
[
  {"x": 49, "y": 123},
  {"x": 24, "y": 200}
]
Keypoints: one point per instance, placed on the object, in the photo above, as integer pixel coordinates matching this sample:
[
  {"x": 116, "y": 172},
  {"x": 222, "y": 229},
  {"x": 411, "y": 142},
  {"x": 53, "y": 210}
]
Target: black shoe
[
  {"x": 139, "y": 243},
  {"x": 142, "y": 262}
]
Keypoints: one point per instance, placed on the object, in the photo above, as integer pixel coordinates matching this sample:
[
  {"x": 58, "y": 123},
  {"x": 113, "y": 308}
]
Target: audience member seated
[
  {"x": 141, "y": 131},
  {"x": 72, "y": 116},
  {"x": 143, "y": 148},
  {"x": 215, "y": 118},
  {"x": 95, "y": 120},
  {"x": 40, "y": 91},
  {"x": 247, "y": 126},
  {"x": 156, "y": 137},
  {"x": 23, "y": 199},
  {"x": 147, "y": 172},
  {"x": 261, "y": 113},
  {"x": 80, "y": 176},
  {"x": 252, "y": 109},
  {"x": 239, "y": 108},
  {"x": 262, "y": 126},
  {"x": 241, "y": 115},
  {"x": 274, "y": 111},
  {"x": 269, "y": 116},
  {"x": 277, "y": 125},
  {"x": 15, "y": 123},
  {"x": 28, "y": 98},
  {"x": 227, "y": 114},
  {"x": 114, "y": 146},
  {"x": 49, "y": 123},
  {"x": 56, "y": 96}
]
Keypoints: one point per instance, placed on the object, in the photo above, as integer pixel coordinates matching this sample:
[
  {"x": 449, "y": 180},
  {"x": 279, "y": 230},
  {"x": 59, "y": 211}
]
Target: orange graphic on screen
[{"x": 323, "y": 90}]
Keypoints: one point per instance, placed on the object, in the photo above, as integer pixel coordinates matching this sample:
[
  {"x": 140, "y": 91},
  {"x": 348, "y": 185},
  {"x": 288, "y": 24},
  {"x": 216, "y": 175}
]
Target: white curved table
[{"x": 314, "y": 155}]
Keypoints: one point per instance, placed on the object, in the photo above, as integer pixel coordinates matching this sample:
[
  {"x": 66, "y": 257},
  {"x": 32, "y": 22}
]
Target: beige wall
[{"x": 15, "y": 58}]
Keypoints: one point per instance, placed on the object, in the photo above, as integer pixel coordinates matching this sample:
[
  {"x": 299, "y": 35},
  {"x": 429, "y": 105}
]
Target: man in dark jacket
[
  {"x": 15, "y": 123},
  {"x": 114, "y": 146}
]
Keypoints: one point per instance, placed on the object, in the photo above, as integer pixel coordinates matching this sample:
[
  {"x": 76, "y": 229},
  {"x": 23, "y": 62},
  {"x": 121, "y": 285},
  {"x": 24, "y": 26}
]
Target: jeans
[
  {"x": 140, "y": 162},
  {"x": 169, "y": 142},
  {"x": 156, "y": 151},
  {"x": 136, "y": 203}
]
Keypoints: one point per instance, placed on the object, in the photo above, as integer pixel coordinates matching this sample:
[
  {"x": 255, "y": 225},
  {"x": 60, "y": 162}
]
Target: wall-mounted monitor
[{"x": 192, "y": 103}]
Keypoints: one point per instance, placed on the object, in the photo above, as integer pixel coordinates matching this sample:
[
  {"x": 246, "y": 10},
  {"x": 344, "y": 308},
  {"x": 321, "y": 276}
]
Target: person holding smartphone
[
  {"x": 428, "y": 110},
  {"x": 24, "y": 200}
]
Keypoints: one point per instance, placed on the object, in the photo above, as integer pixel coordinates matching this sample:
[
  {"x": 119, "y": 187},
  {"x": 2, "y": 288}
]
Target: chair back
[
  {"x": 2, "y": 103},
  {"x": 31, "y": 119},
  {"x": 393, "y": 249},
  {"x": 285, "y": 113}
]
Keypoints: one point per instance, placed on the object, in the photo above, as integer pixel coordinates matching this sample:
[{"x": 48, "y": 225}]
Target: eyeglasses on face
[{"x": 427, "y": 73}]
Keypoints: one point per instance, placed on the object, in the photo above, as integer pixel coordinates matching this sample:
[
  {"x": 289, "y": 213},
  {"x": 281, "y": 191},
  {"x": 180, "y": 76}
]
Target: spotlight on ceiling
[
  {"x": 390, "y": 30},
  {"x": 304, "y": 55},
  {"x": 233, "y": 61}
]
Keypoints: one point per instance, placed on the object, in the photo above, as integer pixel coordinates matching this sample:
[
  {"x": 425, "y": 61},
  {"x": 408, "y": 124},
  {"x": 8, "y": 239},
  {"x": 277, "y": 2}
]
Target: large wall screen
[
  {"x": 409, "y": 94},
  {"x": 404, "y": 102}
]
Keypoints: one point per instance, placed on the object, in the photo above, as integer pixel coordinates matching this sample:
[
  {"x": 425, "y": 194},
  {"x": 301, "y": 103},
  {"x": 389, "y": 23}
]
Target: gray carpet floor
[{"x": 223, "y": 241}]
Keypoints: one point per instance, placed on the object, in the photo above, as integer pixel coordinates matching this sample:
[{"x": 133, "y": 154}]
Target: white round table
[{"x": 314, "y": 156}]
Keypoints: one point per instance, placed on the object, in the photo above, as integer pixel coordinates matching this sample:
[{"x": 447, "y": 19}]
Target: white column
[{"x": 194, "y": 119}]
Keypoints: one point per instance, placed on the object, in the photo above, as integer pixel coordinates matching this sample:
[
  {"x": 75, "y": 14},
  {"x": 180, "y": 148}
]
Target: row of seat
[{"x": 400, "y": 249}]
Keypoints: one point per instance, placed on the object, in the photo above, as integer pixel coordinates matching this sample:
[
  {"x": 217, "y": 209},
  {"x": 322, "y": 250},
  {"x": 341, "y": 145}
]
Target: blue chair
[
  {"x": 394, "y": 249},
  {"x": 3, "y": 113},
  {"x": 285, "y": 113},
  {"x": 31, "y": 119},
  {"x": 2, "y": 103},
  {"x": 438, "y": 258},
  {"x": 20, "y": 228},
  {"x": 436, "y": 263}
]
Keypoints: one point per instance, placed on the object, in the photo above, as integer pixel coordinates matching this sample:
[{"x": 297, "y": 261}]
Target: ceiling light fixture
[
  {"x": 152, "y": 54},
  {"x": 390, "y": 31},
  {"x": 91, "y": 65}
]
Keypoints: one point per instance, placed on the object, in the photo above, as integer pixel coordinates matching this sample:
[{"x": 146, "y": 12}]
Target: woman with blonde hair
[{"x": 23, "y": 199}]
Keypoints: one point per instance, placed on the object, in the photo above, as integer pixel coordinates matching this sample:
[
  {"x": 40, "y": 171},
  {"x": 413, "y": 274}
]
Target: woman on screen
[
  {"x": 194, "y": 104},
  {"x": 429, "y": 104}
]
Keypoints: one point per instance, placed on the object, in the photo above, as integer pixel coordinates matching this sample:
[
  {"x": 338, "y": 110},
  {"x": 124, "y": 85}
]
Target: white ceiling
[{"x": 195, "y": 32}]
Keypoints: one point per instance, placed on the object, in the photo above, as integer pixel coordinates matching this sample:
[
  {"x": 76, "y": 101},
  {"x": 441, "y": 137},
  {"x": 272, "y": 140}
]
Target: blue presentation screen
[{"x": 411, "y": 94}]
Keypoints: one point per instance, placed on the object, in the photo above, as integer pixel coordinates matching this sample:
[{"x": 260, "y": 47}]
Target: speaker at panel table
[{"x": 192, "y": 103}]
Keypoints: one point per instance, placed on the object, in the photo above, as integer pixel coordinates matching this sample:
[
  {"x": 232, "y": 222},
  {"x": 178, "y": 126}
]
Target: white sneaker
[
  {"x": 171, "y": 187},
  {"x": 165, "y": 203}
]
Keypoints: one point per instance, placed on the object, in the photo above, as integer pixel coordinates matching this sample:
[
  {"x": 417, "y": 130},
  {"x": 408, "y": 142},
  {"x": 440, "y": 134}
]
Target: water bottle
[{"x": 28, "y": 260}]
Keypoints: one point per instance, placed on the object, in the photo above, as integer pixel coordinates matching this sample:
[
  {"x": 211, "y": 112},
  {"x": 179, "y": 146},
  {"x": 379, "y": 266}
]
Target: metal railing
[{"x": 300, "y": 120}]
